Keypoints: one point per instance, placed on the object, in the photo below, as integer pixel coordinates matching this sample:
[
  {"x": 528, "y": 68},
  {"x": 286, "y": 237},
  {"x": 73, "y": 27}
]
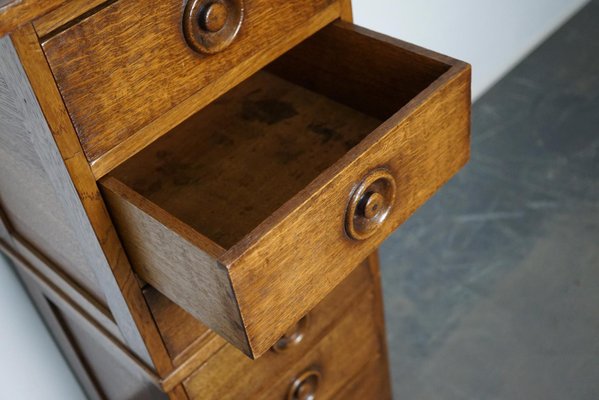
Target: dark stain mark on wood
[
  {"x": 267, "y": 111},
  {"x": 323, "y": 130}
]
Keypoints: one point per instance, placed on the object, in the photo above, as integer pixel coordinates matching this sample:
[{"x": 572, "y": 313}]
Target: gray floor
[{"x": 492, "y": 288}]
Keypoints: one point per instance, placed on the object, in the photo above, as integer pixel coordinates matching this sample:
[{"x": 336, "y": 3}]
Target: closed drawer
[
  {"x": 252, "y": 210},
  {"x": 341, "y": 336},
  {"x": 338, "y": 357},
  {"x": 129, "y": 63},
  {"x": 372, "y": 382}
]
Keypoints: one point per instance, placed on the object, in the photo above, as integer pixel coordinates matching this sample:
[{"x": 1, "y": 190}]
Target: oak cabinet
[{"x": 194, "y": 192}]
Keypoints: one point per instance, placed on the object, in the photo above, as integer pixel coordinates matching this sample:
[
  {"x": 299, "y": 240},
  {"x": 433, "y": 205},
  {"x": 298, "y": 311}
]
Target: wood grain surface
[
  {"x": 174, "y": 265},
  {"x": 290, "y": 138},
  {"x": 47, "y": 274},
  {"x": 66, "y": 15},
  {"x": 180, "y": 330},
  {"x": 230, "y": 375},
  {"x": 423, "y": 144},
  {"x": 371, "y": 383},
  {"x": 5, "y": 229},
  {"x": 32, "y": 205},
  {"x": 137, "y": 65},
  {"x": 230, "y": 166},
  {"x": 14, "y": 13},
  {"x": 56, "y": 143},
  {"x": 47, "y": 311},
  {"x": 356, "y": 331},
  {"x": 280, "y": 267}
]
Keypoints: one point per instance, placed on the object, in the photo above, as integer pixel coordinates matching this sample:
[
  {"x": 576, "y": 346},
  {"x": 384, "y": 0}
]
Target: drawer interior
[
  {"x": 239, "y": 214},
  {"x": 235, "y": 162}
]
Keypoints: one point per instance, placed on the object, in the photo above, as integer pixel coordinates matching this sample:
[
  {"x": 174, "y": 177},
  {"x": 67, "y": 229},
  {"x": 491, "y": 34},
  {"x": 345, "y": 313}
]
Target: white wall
[
  {"x": 31, "y": 366},
  {"x": 490, "y": 34}
]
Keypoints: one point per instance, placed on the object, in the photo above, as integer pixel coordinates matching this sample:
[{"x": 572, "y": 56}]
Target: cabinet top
[{"x": 14, "y": 13}]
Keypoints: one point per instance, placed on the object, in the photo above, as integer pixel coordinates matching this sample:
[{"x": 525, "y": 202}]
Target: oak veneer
[
  {"x": 232, "y": 377},
  {"x": 14, "y": 13},
  {"x": 228, "y": 374},
  {"x": 137, "y": 65},
  {"x": 45, "y": 273},
  {"x": 141, "y": 345},
  {"x": 183, "y": 335},
  {"x": 54, "y": 141},
  {"x": 372, "y": 382},
  {"x": 5, "y": 229},
  {"x": 69, "y": 14},
  {"x": 230, "y": 166},
  {"x": 356, "y": 330},
  {"x": 32, "y": 207},
  {"x": 98, "y": 364},
  {"x": 237, "y": 215}
]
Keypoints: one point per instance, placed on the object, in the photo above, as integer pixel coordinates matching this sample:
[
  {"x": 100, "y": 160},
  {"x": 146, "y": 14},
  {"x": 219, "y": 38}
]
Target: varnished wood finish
[
  {"x": 370, "y": 204},
  {"x": 33, "y": 206},
  {"x": 71, "y": 302},
  {"x": 116, "y": 379},
  {"x": 331, "y": 357},
  {"x": 305, "y": 386},
  {"x": 137, "y": 45},
  {"x": 229, "y": 167},
  {"x": 149, "y": 245},
  {"x": 55, "y": 142},
  {"x": 229, "y": 374},
  {"x": 68, "y": 14},
  {"x": 346, "y": 11},
  {"x": 47, "y": 274},
  {"x": 5, "y": 229},
  {"x": 254, "y": 187},
  {"x": 179, "y": 329},
  {"x": 372, "y": 383},
  {"x": 379, "y": 318},
  {"x": 14, "y": 13},
  {"x": 211, "y": 26},
  {"x": 48, "y": 313},
  {"x": 103, "y": 372},
  {"x": 235, "y": 205}
]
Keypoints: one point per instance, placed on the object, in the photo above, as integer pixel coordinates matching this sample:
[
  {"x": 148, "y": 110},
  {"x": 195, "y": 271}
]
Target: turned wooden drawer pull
[
  {"x": 292, "y": 337},
  {"x": 304, "y": 387},
  {"x": 370, "y": 203},
  {"x": 211, "y": 25}
]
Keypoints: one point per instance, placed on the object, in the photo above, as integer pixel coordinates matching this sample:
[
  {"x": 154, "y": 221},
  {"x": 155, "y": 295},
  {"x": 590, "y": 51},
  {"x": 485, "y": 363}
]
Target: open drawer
[{"x": 252, "y": 210}]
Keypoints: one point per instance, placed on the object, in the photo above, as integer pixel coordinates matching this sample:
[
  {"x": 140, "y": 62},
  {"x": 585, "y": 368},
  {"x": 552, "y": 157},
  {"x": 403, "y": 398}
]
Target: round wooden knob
[
  {"x": 211, "y": 25},
  {"x": 369, "y": 204},
  {"x": 305, "y": 386},
  {"x": 213, "y": 17},
  {"x": 292, "y": 337}
]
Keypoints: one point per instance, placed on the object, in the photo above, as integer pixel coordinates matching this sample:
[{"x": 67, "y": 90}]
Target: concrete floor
[{"x": 492, "y": 288}]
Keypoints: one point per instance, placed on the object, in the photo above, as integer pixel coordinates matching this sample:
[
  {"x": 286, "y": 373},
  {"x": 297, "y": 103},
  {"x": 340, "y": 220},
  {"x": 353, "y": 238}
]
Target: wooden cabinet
[
  {"x": 194, "y": 192},
  {"x": 345, "y": 319},
  {"x": 138, "y": 65},
  {"x": 250, "y": 203}
]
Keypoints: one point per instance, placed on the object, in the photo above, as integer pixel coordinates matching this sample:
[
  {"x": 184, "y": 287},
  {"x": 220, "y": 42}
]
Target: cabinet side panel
[
  {"x": 4, "y": 228},
  {"x": 104, "y": 375},
  {"x": 31, "y": 205},
  {"x": 115, "y": 379}
]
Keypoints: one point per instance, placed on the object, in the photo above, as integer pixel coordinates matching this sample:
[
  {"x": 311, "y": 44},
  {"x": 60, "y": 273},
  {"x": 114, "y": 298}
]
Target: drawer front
[
  {"x": 253, "y": 210},
  {"x": 338, "y": 357},
  {"x": 129, "y": 63},
  {"x": 343, "y": 318},
  {"x": 371, "y": 383}
]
